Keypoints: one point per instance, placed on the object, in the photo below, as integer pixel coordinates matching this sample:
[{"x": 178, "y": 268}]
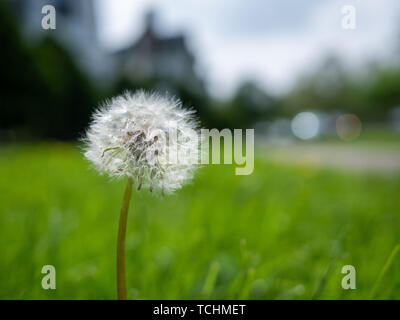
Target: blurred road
[{"x": 379, "y": 158}]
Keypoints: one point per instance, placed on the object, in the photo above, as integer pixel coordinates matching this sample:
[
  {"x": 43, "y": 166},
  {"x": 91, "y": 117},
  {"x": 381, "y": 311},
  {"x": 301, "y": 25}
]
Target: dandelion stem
[{"x": 121, "y": 280}]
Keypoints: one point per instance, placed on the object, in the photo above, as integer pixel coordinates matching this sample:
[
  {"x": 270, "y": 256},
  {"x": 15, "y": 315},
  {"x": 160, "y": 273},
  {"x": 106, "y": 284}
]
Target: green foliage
[
  {"x": 281, "y": 232},
  {"x": 68, "y": 100},
  {"x": 18, "y": 75},
  {"x": 43, "y": 93},
  {"x": 371, "y": 94},
  {"x": 385, "y": 89},
  {"x": 249, "y": 105}
]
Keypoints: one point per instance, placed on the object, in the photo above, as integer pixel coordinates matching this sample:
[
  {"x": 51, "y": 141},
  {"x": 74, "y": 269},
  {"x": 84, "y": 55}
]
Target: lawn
[{"x": 284, "y": 232}]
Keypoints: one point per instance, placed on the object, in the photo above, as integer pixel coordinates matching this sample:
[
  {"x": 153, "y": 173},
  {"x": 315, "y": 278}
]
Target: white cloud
[
  {"x": 230, "y": 47},
  {"x": 119, "y": 21}
]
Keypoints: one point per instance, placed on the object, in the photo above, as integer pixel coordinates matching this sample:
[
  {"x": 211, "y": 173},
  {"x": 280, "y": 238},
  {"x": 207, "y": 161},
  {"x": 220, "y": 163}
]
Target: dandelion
[{"x": 149, "y": 139}]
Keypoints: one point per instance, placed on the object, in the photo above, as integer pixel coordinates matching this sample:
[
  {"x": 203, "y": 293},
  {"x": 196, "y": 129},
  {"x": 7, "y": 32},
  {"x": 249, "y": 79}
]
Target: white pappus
[{"x": 148, "y": 137}]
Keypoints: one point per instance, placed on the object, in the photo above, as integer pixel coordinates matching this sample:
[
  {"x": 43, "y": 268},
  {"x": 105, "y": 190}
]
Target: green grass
[
  {"x": 283, "y": 232},
  {"x": 380, "y": 136}
]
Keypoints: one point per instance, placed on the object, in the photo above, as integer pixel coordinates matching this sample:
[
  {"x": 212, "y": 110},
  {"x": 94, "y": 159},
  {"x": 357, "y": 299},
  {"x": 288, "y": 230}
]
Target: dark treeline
[{"x": 45, "y": 95}]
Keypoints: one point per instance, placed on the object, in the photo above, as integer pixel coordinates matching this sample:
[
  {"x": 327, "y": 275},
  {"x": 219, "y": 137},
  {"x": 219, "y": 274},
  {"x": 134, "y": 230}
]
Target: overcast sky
[{"x": 269, "y": 41}]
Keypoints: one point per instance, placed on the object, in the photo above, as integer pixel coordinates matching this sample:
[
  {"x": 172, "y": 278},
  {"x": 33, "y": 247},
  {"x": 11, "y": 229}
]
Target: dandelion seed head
[{"x": 146, "y": 136}]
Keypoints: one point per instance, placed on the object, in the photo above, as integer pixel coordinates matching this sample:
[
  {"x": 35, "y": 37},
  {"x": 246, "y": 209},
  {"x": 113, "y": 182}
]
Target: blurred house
[
  {"x": 160, "y": 58},
  {"x": 152, "y": 57},
  {"x": 75, "y": 30}
]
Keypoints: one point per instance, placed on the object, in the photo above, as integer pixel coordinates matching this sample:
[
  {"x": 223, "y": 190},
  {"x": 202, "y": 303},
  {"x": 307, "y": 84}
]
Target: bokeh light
[
  {"x": 348, "y": 127},
  {"x": 305, "y": 125}
]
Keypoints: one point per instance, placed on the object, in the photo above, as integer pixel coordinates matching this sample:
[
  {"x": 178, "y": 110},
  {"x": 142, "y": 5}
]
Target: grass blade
[{"x": 385, "y": 268}]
